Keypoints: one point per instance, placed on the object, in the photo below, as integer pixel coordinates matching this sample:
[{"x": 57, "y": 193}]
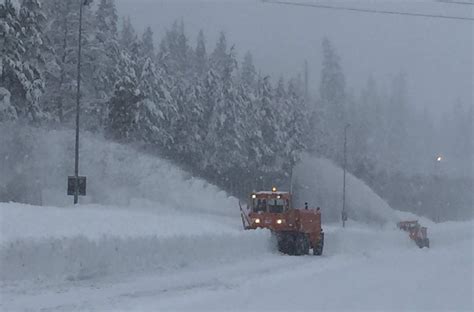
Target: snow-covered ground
[
  {"x": 161, "y": 240},
  {"x": 98, "y": 258}
]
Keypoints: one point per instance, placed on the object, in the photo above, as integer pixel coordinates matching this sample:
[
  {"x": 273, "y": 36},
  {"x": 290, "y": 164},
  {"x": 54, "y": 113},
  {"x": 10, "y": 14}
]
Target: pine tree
[
  {"x": 147, "y": 46},
  {"x": 174, "y": 51},
  {"x": 296, "y": 124},
  {"x": 220, "y": 58},
  {"x": 61, "y": 73},
  {"x": 212, "y": 96},
  {"x": 225, "y": 139},
  {"x": 128, "y": 36},
  {"x": 332, "y": 104},
  {"x": 105, "y": 53},
  {"x": 200, "y": 61},
  {"x": 32, "y": 20},
  {"x": 248, "y": 72},
  {"x": 123, "y": 105},
  {"x": 155, "y": 109},
  {"x": 12, "y": 49},
  {"x": 20, "y": 70},
  {"x": 269, "y": 126}
]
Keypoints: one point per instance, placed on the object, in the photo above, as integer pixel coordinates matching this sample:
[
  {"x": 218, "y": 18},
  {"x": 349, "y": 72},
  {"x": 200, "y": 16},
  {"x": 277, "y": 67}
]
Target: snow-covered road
[{"x": 363, "y": 268}]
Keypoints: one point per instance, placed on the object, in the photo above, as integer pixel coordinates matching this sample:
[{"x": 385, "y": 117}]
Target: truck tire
[
  {"x": 286, "y": 243},
  {"x": 420, "y": 242},
  {"x": 318, "y": 249},
  {"x": 301, "y": 244},
  {"x": 307, "y": 244},
  {"x": 427, "y": 242}
]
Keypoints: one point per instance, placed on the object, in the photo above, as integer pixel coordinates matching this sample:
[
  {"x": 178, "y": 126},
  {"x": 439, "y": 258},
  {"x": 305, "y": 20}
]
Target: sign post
[{"x": 76, "y": 185}]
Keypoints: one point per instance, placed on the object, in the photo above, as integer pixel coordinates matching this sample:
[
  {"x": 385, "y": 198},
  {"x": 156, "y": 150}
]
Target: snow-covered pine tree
[
  {"x": 61, "y": 73},
  {"x": 20, "y": 72},
  {"x": 220, "y": 58},
  {"x": 128, "y": 35},
  {"x": 157, "y": 105},
  {"x": 174, "y": 51},
  {"x": 268, "y": 126},
  {"x": 228, "y": 117},
  {"x": 10, "y": 58},
  {"x": 332, "y": 103},
  {"x": 200, "y": 55},
  {"x": 105, "y": 54},
  {"x": 296, "y": 123},
  {"x": 175, "y": 57},
  {"x": 254, "y": 145},
  {"x": 212, "y": 97},
  {"x": 248, "y": 72},
  {"x": 192, "y": 129},
  {"x": 123, "y": 105},
  {"x": 147, "y": 46},
  {"x": 32, "y": 20}
]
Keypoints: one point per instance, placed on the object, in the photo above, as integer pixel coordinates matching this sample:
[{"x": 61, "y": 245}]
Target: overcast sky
[{"x": 435, "y": 54}]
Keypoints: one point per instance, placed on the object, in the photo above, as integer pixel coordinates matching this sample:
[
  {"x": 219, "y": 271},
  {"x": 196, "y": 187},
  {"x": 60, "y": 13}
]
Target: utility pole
[
  {"x": 76, "y": 177},
  {"x": 344, "y": 214},
  {"x": 306, "y": 78}
]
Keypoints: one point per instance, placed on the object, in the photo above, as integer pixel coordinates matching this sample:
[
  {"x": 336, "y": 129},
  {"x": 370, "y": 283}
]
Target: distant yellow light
[
  {"x": 257, "y": 221},
  {"x": 279, "y": 221},
  {"x": 278, "y": 196},
  {"x": 274, "y": 189},
  {"x": 254, "y": 196}
]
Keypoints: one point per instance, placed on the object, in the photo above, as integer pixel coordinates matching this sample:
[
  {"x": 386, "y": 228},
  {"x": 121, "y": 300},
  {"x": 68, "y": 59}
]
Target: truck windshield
[
  {"x": 276, "y": 205},
  {"x": 259, "y": 205}
]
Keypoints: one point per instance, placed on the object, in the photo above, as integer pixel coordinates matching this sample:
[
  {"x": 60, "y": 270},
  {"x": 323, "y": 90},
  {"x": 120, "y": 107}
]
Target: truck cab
[
  {"x": 297, "y": 230},
  {"x": 272, "y": 202}
]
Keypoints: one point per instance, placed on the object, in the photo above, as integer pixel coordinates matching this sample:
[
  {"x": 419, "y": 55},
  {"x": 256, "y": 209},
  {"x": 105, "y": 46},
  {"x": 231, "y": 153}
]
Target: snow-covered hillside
[{"x": 117, "y": 175}]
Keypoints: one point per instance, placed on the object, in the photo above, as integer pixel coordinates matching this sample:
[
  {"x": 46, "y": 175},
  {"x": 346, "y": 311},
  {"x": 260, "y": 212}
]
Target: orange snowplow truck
[
  {"x": 418, "y": 233},
  {"x": 296, "y": 230}
]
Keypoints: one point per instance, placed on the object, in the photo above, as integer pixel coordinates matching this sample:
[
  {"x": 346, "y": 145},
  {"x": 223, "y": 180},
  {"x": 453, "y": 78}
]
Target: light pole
[
  {"x": 344, "y": 214},
  {"x": 438, "y": 161},
  {"x": 78, "y": 97}
]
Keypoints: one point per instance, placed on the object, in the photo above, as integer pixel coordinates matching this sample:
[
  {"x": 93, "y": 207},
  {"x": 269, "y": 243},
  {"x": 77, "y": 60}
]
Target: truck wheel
[
  {"x": 283, "y": 244},
  {"x": 301, "y": 244},
  {"x": 306, "y": 244},
  {"x": 318, "y": 249},
  {"x": 287, "y": 243},
  {"x": 420, "y": 242},
  {"x": 427, "y": 242}
]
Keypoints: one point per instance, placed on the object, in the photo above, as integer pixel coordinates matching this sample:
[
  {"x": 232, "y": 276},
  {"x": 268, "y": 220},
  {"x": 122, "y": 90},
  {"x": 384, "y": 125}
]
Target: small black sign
[
  {"x": 344, "y": 216},
  {"x": 71, "y": 185}
]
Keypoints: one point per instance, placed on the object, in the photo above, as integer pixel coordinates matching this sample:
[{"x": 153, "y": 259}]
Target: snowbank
[{"x": 87, "y": 242}]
